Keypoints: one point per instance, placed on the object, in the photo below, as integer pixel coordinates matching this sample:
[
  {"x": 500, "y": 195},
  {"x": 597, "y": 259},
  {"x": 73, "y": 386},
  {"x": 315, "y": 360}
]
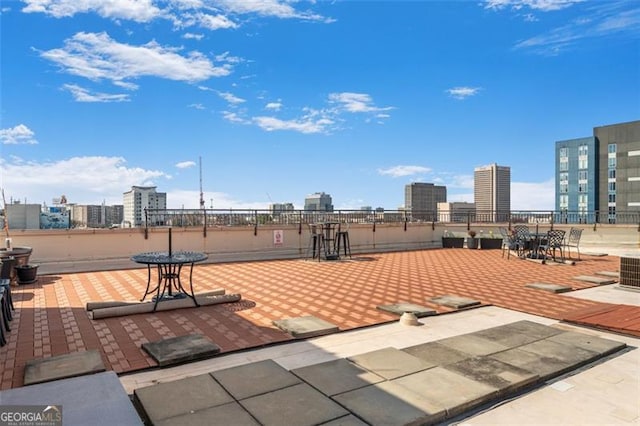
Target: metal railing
[{"x": 207, "y": 218}]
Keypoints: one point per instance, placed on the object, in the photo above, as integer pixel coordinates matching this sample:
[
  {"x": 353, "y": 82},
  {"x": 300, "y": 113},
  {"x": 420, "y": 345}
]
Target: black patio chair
[
  {"x": 573, "y": 240},
  {"x": 552, "y": 242},
  {"x": 509, "y": 242},
  {"x": 523, "y": 236}
]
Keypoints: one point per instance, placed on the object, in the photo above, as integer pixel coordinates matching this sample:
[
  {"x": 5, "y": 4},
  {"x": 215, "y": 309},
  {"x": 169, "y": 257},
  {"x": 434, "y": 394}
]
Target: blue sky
[{"x": 282, "y": 99}]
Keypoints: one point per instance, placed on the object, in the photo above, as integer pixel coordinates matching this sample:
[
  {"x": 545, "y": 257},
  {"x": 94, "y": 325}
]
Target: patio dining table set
[
  {"x": 541, "y": 245},
  {"x": 327, "y": 239}
]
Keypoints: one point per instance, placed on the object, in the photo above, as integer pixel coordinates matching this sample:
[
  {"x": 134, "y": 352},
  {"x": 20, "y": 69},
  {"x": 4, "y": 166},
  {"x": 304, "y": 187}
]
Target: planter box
[
  {"x": 452, "y": 242},
  {"x": 490, "y": 243},
  {"x": 472, "y": 242}
]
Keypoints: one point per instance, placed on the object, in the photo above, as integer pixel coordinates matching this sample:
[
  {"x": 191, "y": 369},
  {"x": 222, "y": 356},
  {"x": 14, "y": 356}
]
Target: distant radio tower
[{"x": 202, "y": 206}]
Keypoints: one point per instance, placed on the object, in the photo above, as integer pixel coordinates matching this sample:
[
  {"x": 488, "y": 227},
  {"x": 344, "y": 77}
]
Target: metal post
[{"x": 146, "y": 225}]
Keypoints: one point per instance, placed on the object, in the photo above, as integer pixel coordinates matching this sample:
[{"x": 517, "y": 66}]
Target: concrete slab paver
[
  {"x": 587, "y": 342},
  {"x": 305, "y": 327},
  {"x": 436, "y": 353},
  {"x": 177, "y": 350},
  {"x": 400, "y": 308},
  {"x": 387, "y": 403},
  {"x": 256, "y": 378},
  {"x": 506, "y": 378},
  {"x": 172, "y": 399},
  {"x": 62, "y": 366},
  {"x": 390, "y": 363},
  {"x": 298, "y": 404},
  {"x": 473, "y": 344},
  {"x": 226, "y": 414},
  {"x": 456, "y": 302},
  {"x": 517, "y": 333},
  {"x": 451, "y": 390},
  {"x": 334, "y": 377}
]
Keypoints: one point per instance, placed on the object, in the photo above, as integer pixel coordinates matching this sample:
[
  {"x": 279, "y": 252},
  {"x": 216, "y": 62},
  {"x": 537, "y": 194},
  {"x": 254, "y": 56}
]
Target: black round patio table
[{"x": 169, "y": 268}]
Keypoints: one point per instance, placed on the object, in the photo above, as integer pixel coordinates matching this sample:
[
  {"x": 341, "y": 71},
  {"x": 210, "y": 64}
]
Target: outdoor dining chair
[
  {"x": 523, "y": 236},
  {"x": 554, "y": 241},
  {"x": 509, "y": 242},
  {"x": 573, "y": 240}
]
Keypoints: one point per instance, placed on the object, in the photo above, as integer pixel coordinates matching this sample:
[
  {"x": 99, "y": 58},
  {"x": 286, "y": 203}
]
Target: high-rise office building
[
  {"x": 278, "y": 208},
  {"x": 139, "y": 199},
  {"x": 492, "y": 192},
  {"x": 318, "y": 201},
  {"x": 421, "y": 199},
  {"x": 598, "y": 177}
]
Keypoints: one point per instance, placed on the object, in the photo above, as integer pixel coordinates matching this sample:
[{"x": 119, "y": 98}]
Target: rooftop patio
[{"x": 50, "y": 317}]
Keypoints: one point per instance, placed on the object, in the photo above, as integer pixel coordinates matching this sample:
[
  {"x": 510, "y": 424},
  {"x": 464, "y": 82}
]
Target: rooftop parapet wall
[{"x": 77, "y": 249}]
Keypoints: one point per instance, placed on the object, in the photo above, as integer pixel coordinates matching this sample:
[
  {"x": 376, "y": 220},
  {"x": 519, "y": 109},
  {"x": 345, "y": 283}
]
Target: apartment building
[
  {"x": 598, "y": 177},
  {"x": 619, "y": 170},
  {"x": 576, "y": 178},
  {"x": 140, "y": 198},
  {"x": 492, "y": 192}
]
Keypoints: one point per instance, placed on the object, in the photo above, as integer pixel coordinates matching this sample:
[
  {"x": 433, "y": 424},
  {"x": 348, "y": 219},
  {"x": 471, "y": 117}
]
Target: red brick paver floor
[{"x": 50, "y": 317}]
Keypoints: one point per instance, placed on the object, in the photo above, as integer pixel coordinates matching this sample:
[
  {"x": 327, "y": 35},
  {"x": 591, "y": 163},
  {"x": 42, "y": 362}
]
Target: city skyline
[{"x": 284, "y": 99}]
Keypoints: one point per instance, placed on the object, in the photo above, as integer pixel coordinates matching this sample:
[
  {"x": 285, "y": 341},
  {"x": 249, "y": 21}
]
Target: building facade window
[
  {"x": 611, "y": 149},
  {"x": 583, "y": 159},
  {"x": 564, "y": 183},
  {"x": 564, "y": 159},
  {"x": 564, "y": 202}
]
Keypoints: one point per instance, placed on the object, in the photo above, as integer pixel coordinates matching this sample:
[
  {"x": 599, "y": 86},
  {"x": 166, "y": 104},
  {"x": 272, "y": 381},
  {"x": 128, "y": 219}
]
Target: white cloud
[
  {"x": 234, "y": 117},
  {"x": 177, "y": 199},
  {"x": 196, "y": 106},
  {"x": 274, "y": 106},
  {"x": 603, "y": 20},
  {"x": 211, "y": 15},
  {"x": 533, "y": 195},
  {"x": 84, "y": 180},
  {"x": 399, "y": 171},
  {"x": 134, "y": 10},
  {"x": 97, "y": 56},
  {"x": 276, "y": 8},
  {"x": 215, "y": 22},
  {"x": 306, "y": 125},
  {"x": 541, "y": 5},
  {"x": 355, "y": 102},
  {"x": 322, "y": 120},
  {"x": 231, "y": 98},
  {"x": 192, "y": 36},
  {"x": 81, "y": 94},
  {"x": 463, "y": 92},
  {"x": 19, "y": 134},
  {"x": 185, "y": 164}
]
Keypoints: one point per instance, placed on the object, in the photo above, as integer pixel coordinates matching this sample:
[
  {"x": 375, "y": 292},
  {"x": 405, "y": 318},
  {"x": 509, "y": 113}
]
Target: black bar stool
[
  {"x": 316, "y": 241},
  {"x": 342, "y": 238}
]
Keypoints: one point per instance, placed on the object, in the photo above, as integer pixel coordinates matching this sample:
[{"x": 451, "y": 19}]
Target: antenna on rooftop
[{"x": 202, "y": 206}]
